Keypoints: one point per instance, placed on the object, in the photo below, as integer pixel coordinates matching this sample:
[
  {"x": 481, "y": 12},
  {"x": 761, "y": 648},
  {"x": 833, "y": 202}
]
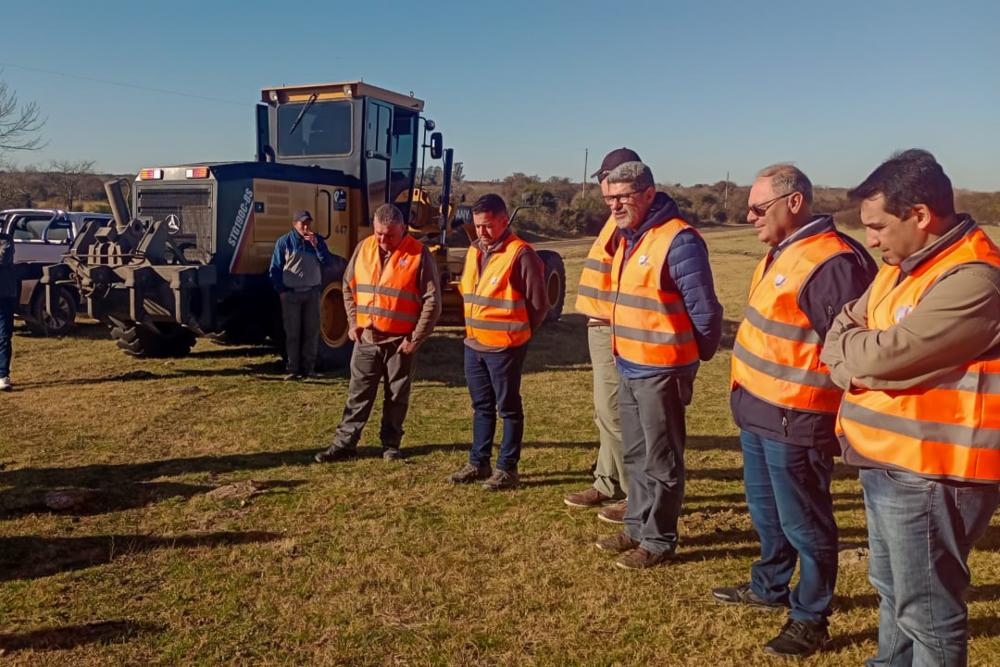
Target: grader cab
[{"x": 189, "y": 253}]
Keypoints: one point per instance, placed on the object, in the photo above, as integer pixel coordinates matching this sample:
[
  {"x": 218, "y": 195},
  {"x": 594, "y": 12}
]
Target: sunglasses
[{"x": 760, "y": 210}]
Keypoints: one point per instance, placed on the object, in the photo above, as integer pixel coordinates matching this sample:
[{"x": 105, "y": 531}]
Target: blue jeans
[
  {"x": 788, "y": 494},
  {"x": 920, "y": 532},
  {"x": 6, "y": 334},
  {"x": 494, "y": 380}
]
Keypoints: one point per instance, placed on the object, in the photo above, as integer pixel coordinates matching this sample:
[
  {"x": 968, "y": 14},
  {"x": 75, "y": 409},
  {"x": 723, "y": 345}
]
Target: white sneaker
[{"x": 6, "y": 384}]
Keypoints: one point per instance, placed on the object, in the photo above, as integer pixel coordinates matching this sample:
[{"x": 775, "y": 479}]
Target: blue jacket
[
  {"x": 687, "y": 269},
  {"x": 292, "y": 248},
  {"x": 8, "y": 279}
]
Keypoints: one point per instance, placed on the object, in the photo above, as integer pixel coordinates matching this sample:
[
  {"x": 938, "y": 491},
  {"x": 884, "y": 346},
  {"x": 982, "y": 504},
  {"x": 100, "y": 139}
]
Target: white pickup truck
[{"x": 41, "y": 237}]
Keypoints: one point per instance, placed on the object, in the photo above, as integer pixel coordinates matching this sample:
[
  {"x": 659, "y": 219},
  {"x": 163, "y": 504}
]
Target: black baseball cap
[
  {"x": 618, "y": 156},
  {"x": 302, "y": 216}
]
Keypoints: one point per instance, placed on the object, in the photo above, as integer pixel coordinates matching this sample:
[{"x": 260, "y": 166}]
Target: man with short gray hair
[
  {"x": 392, "y": 295},
  {"x": 665, "y": 320}
]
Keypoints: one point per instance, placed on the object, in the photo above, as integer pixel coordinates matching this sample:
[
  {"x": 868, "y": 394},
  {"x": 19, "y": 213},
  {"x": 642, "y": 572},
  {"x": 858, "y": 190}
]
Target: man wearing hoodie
[
  {"x": 665, "y": 319},
  {"x": 8, "y": 299},
  {"x": 785, "y": 404}
]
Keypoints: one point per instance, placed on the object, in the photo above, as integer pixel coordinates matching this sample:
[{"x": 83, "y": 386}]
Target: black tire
[
  {"x": 59, "y": 323},
  {"x": 555, "y": 283},
  {"x": 164, "y": 341},
  {"x": 334, "y": 349}
]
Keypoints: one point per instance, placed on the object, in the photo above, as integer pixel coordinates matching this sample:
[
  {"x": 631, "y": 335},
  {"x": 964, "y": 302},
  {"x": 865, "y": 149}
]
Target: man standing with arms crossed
[
  {"x": 392, "y": 295},
  {"x": 665, "y": 319},
  {"x": 785, "y": 404},
  {"x": 503, "y": 289},
  {"x": 919, "y": 356},
  {"x": 595, "y": 299}
]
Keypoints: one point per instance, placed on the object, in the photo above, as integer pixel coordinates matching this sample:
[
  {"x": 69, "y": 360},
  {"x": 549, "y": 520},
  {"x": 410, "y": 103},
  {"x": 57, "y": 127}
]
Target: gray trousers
[
  {"x": 370, "y": 365},
  {"x": 653, "y": 435},
  {"x": 300, "y": 315},
  {"x": 610, "y": 477}
]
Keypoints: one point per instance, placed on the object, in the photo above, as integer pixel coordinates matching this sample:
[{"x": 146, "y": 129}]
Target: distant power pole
[
  {"x": 725, "y": 196},
  {"x": 585, "y": 151}
]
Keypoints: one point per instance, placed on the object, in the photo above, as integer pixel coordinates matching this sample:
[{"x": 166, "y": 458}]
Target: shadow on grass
[
  {"x": 982, "y": 593},
  {"x": 86, "y": 330},
  {"x": 30, "y": 557},
  {"x": 61, "y": 638},
  {"x": 265, "y": 370},
  {"x": 983, "y": 627},
  {"x": 113, "y": 497},
  {"x": 108, "y": 475}
]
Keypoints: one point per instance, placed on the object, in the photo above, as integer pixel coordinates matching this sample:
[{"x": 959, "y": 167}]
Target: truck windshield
[{"x": 325, "y": 129}]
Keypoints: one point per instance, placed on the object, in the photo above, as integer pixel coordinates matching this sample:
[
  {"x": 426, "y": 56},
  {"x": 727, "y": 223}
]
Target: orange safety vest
[
  {"x": 650, "y": 325},
  {"x": 950, "y": 428},
  {"x": 388, "y": 297},
  {"x": 496, "y": 314},
  {"x": 594, "y": 296},
  {"x": 776, "y": 354}
]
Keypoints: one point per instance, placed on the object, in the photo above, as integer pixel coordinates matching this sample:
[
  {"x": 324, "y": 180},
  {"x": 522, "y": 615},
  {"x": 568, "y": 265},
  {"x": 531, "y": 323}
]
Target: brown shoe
[
  {"x": 614, "y": 513},
  {"x": 640, "y": 559},
  {"x": 617, "y": 543},
  {"x": 469, "y": 474},
  {"x": 588, "y": 498}
]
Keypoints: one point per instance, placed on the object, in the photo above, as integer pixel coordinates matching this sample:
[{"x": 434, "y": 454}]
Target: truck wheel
[
  {"x": 555, "y": 283},
  {"x": 140, "y": 341},
  {"x": 59, "y": 323},
  {"x": 335, "y": 347}
]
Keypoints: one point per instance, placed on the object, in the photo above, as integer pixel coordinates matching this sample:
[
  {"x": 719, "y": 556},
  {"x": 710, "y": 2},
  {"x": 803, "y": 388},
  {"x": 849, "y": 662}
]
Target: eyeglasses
[
  {"x": 621, "y": 198},
  {"x": 760, "y": 210}
]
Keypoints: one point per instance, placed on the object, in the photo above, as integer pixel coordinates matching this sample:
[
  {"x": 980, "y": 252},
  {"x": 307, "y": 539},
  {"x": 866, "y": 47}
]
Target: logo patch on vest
[
  {"x": 643, "y": 260},
  {"x": 779, "y": 280},
  {"x": 902, "y": 312},
  {"x": 403, "y": 261},
  {"x": 494, "y": 280}
]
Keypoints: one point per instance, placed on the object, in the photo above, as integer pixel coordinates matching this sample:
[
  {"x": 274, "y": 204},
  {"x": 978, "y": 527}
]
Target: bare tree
[
  {"x": 19, "y": 123},
  {"x": 68, "y": 178}
]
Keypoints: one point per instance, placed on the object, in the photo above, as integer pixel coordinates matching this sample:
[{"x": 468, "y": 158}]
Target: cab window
[{"x": 324, "y": 129}]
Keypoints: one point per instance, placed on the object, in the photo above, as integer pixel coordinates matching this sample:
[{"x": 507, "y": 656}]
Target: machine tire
[
  {"x": 334, "y": 349},
  {"x": 555, "y": 283},
  {"x": 140, "y": 341},
  {"x": 43, "y": 323}
]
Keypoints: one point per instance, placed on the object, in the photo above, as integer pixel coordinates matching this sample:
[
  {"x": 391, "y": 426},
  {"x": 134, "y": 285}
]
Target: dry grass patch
[{"x": 207, "y": 535}]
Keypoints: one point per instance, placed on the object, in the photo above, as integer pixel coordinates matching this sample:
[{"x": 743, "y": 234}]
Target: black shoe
[
  {"x": 335, "y": 454},
  {"x": 798, "y": 639},
  {"x": 743, "y": 594},
  {"x": 470, "y": 473},
  {"x": 501, "y": 480},
  {"x": 391, "y": 454}
]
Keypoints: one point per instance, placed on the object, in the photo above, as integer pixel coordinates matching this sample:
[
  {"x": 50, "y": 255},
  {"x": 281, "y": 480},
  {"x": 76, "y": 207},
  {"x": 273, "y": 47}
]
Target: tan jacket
[{"x": 958, "y": 319}]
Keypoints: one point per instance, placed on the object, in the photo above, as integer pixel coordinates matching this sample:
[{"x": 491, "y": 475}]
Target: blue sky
[{"x": 697, "y": 88}]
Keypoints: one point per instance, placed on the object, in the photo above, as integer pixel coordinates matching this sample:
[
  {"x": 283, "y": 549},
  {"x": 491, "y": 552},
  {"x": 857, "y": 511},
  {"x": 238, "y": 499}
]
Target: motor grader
[{"x": 190, "y": 248}]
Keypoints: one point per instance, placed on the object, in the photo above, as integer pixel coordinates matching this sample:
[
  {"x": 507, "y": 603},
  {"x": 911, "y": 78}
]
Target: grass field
[{"x": 367, "y": 562}]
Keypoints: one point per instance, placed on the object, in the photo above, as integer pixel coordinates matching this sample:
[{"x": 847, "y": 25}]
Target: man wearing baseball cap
[
  {"x": 297, "y": 274},
  {"x": 594, "y": 299}
]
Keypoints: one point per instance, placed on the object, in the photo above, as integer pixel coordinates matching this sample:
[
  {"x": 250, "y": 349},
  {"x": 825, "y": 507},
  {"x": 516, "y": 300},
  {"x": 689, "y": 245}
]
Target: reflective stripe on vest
[
  {"x": 496, "y": 314},
  {"x": 594, "y": 296},
  {"x": 388, "y": 297},
  {"x": 949, "y": 429},
  {"x": 650, "y": 325},
  {"x": 776, "y": 353}
]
